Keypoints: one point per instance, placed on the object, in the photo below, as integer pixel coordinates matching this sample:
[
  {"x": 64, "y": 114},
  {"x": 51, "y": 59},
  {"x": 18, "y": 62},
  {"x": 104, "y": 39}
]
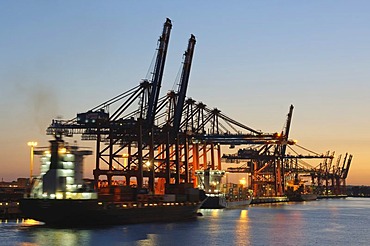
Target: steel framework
[{"x": 162, "y": 140}]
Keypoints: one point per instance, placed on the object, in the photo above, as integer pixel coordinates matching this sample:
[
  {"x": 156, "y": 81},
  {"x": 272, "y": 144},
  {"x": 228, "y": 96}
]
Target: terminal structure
[{"x": 152, "y": 140}]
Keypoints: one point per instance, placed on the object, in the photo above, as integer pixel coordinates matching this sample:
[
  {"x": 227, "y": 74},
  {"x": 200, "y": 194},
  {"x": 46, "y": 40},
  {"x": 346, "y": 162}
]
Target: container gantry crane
[
  {"x": 130, "y": 135},
  {"x": 331, "y": 179},
  {"x": 165, "y": 139},
  {"x": 270, "y": 165}
]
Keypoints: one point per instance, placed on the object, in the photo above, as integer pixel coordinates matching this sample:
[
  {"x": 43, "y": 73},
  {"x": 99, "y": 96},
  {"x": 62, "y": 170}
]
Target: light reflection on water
[
  {"x": 323, "y": 222},
  {"x": 242, "y": 225}
]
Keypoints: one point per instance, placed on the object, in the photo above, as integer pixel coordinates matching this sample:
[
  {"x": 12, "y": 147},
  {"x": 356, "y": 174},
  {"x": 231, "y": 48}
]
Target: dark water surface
[{"x": 323, "y": 222}]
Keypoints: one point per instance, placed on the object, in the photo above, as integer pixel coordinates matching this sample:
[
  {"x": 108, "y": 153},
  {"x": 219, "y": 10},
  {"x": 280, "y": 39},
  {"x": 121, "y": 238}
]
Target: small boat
[
  {"x": 60, "y": 197},
  {"x": 219, "y": 195}
]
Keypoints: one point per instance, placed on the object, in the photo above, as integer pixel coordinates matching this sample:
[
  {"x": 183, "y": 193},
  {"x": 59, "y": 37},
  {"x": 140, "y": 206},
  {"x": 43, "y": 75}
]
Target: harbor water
[{"x": 322, "y": 222}]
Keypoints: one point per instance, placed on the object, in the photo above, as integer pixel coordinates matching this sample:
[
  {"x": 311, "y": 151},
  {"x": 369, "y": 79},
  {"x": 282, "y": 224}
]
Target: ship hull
[
  {"x": 63, "y": 212},
  {"x": 271, "y": 199},
  {"x": 217, "y": 202},
  {"x": 302, "y": 197},
  {"x": 238, "y": 204},
  {"x": 213, "y": 202}
]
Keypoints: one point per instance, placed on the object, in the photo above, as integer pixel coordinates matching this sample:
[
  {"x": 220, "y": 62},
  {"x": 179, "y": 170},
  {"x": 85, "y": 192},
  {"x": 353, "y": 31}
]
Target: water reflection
[
  {"x": 242, "y": 236},
  {"x": 215, "y": 212},
  {"x": 41, "y": 235},
  {"x": 314, "y": 223},
  {"x": 243, "y": 214}
]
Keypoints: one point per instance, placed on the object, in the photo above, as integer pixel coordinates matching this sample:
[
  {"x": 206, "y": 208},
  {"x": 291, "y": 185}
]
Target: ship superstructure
[{"x": 61, "y": 173}]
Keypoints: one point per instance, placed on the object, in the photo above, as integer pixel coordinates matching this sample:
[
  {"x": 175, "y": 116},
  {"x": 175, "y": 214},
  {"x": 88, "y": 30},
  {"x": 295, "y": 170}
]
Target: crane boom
[
  {"x": 287, "y": 129},
  {"x": 158, "y": 72},
  {"x": 188, "y": 57},
  {"x": 346, "y": 170}
]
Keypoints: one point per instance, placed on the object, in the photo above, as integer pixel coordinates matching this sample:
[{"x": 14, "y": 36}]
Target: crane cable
[{"x": 312, "y": 152}]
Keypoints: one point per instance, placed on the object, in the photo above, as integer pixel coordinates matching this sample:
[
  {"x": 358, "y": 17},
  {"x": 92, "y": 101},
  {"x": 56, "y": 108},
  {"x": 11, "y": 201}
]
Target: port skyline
[{"x": 252, "y": 61}]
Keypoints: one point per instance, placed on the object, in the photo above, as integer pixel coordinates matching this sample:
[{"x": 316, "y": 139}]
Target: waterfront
[{"x": 321, "y": 222}]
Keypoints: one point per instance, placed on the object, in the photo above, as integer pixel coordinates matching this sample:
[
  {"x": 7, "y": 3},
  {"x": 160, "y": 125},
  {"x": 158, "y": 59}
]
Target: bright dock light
[
  {"x": 243, "y": 181},
  {"x": 32, "y": 145}
]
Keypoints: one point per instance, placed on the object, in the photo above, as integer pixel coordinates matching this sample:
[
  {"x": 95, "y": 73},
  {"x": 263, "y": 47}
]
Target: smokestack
[{"x": 56, "y": 145}]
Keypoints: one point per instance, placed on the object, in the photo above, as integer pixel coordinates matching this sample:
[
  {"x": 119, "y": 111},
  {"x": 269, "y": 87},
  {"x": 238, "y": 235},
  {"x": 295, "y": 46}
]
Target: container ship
[
  {"x": 61, "y": 197},
  {"x": 228, "y": 195}
]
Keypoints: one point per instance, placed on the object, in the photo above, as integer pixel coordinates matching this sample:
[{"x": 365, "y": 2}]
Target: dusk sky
[{"x": 252, "y": 60}]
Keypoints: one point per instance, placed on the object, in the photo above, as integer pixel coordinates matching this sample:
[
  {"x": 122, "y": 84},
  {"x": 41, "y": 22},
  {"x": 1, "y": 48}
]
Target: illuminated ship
[
  {"x": 60, "y": 196},
  {"x": 219, "y": 195},
  {"x": 297, "y": 190}
]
